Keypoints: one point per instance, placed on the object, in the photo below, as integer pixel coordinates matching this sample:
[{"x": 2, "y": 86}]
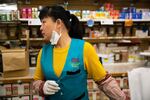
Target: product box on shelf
[
  {"x": 119, "y": 81},
  {"x": 5, "y": 90},
  {"x": 91, "y": 85},
  {"x": 15, "y": 89},
  {"x": 20, "y": 89},
  {"x": 14, "y": 63},
  {"x": 16, "y": 98},
  {"x": 25, "y": 98},
  {"x": 97, "y": 95},
  {"x": 37, "y": 97},
  {"x": 6, "y": 98},
  {"x": 90, "y": 95}
]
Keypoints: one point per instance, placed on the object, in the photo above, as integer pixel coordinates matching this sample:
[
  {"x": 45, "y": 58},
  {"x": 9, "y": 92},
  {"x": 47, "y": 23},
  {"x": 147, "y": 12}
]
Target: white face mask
[{"x": 55, "y": 37}]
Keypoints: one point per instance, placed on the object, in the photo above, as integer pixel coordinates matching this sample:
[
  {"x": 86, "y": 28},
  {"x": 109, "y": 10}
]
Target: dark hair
[{"x": 70, "y": 21}]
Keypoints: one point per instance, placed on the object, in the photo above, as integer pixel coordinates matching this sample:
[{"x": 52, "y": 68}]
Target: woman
[{"x": 65, "y": 62}]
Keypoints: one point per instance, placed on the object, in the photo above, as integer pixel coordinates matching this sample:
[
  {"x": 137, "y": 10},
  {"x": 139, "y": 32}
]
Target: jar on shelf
[
  {"x": 134, "y": 31},
  {"x": 3, "y": 34},
  {"x": 111, "y": 31},
  {"x": 119, "y": 32},
  {"x": 34, "y": 32},
  {"x": 117, "y": 56},
  {"x": 127, "y": 31},
  {"x": 14, "y": 15},
  {"x": 8, "y": 16},
  {"x": 103, "y": 32},
  {"x": 33, "y": 58},
  {"x": 124, "y": 54},
  {"x": 131, "y": 55},
  {"x": 3, "y": 16},
  {"x": 12, "y": 33}
]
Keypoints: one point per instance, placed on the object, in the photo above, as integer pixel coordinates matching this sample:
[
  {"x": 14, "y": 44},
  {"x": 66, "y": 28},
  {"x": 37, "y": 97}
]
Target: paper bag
[{"x": 15, "y": 61}]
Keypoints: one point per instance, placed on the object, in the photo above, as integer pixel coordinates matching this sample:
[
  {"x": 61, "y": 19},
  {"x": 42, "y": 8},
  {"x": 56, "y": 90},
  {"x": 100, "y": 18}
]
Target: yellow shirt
[{"x": 92, "y": 64}]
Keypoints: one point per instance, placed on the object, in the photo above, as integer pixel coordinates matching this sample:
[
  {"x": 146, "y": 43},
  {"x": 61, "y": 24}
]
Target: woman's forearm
[
  {"x": 111, "y": 88},
  {"x": 38, "y": 86}
]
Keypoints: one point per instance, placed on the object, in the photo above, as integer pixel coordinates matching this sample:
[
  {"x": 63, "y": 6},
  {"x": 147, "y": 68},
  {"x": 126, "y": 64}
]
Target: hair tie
[{"x": 70, "y": 19}]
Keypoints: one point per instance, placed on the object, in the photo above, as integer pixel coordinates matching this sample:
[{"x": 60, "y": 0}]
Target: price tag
[
  {"x": 107, "y": 22},
  {"x": 34, "y": 22}
]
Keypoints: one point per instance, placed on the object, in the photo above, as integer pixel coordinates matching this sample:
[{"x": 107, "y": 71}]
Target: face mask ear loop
[
  {"x": 59, "y": 29},
  {"x": 59, "y": 32}
]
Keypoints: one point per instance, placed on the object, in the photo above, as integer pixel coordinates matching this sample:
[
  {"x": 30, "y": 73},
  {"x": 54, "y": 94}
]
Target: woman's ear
[{"x": 59, "y": 23}]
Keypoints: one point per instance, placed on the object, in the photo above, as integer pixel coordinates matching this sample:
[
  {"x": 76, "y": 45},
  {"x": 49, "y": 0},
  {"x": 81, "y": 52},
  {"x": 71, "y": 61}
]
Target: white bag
[{"x": 139, "y": 83}]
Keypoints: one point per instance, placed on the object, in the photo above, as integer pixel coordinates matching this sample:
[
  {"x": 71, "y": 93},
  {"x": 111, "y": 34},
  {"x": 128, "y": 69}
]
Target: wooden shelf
[
  {"x": 28, "y": 78},
  {"x": 116, "y": 20},
  {"x": 146, "y": 53},
  {"x": 24, "y": 19},
  {"x": 97, "y": 20},
  {"x": 127, "y": 37},
  {"x": 122, "y": 74},
  {"x": 13, "y": 40},
  {"x": 32, "y": 39},
  {"x": 9, "y": 22},
  {"x": 31, "y": 21},
  {"x": 37, "y": 21},
  {"x": 16, "y": 80},
  {"x": 96, "y": 40},
  {"x": 19, "y": 95}
]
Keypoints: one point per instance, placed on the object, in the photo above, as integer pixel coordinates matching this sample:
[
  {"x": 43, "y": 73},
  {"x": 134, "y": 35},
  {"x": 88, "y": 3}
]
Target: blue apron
[{"x": 73, "y": 79}]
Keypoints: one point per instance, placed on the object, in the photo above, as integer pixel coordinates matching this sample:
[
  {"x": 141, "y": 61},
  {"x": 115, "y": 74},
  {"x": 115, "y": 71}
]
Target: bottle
[
  {"x": 34, "y": 32},
  {"x": 8, "y": 16},
  {"x": 127, "y": 31},
  {"x": 117, "y": 56},
  {"x": 119, "y": 32},
  {"x": 33, "y": 13},
  {"x": 124, "y": 54},
  {"x": 111, "y": 31},
  {"x": 23, "y": 13},
  {"x": 29, "y": 12},
  {"x": 131, "y": 56},
  {"x": 12, "y": 33}
]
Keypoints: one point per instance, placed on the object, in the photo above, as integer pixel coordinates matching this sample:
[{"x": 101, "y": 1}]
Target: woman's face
[{"x": 47, "y": 26}]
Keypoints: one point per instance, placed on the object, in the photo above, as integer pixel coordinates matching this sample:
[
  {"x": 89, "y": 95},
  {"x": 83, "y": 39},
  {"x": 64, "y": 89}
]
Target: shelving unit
[
  {"x": 32, "y": 39},
  {"x": 116, "y": 20},
  {"x": 96, "y": 40},
  {"x": 119, "y": 69},
  {"x": 116, "y": 71},
  {"x": 9, "y": 22}
]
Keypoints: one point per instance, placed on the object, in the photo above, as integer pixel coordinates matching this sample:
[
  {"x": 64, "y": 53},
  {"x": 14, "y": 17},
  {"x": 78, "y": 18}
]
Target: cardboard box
[{"x": 15, "y": 63}]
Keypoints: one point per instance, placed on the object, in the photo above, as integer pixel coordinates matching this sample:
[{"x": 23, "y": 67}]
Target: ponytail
[{"x": 76, "y": 30}]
